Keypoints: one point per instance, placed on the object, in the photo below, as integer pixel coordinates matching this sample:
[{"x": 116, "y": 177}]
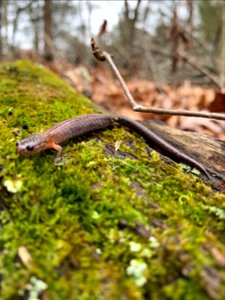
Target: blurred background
[{"x": 171, "y": 53}]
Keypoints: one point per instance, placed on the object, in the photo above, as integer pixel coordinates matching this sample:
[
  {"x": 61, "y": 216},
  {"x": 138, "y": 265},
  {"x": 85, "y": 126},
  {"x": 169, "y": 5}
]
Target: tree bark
[
  {"x": 36, "y": 20},
  {"x": 4, "y": 16},
  {"x": 204, "y": 148},
  {"x": 48, "y": 38}
]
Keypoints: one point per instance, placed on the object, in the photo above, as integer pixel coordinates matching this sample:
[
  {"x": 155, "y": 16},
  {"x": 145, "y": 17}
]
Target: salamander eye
[{"x": 30, "y": 148}]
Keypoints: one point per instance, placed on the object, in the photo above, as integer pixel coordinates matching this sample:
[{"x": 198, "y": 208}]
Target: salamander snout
[{"x": 27, "y": 147}]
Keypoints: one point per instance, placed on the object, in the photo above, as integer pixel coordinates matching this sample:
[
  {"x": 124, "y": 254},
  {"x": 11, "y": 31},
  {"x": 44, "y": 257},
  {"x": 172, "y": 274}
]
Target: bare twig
[
  {"x": 103, "y": 55},
  {"x": 97, "y": 52},
  {"x": 198, "y": 41},
  {"x": 195, "y": 65}
]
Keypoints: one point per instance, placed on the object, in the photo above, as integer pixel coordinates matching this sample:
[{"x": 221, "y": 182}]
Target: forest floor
[{"x": 101, "y": 86}]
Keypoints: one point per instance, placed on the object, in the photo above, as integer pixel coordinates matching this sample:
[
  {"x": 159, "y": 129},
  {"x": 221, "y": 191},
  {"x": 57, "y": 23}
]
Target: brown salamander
[{"x": 74, "y": 127}]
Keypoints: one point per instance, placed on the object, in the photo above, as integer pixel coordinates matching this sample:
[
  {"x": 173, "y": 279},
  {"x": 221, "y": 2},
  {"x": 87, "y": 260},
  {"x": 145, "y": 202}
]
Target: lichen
[{"x": 108, "y": 208}]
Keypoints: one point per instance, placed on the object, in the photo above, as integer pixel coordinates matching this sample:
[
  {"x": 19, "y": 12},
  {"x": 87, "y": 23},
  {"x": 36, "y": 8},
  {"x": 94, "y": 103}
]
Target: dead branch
[
  {"x": 191, "y": 62},
  {"x": 199, "y": 68},
  {"x": 103, "y": 55}
]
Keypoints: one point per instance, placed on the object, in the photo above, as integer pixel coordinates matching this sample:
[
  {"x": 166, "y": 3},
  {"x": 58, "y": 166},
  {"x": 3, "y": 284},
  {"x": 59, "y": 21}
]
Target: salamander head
[{"x": 31, "y": 145}]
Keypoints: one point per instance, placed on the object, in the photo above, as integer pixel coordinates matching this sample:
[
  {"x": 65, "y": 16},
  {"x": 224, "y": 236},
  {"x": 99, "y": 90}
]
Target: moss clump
[{"x": 104, "y": 224}]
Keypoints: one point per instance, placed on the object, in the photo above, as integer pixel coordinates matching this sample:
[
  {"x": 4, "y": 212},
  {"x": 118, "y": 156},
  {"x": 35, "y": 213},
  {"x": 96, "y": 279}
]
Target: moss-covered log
[{"x": 103, "y": 224}]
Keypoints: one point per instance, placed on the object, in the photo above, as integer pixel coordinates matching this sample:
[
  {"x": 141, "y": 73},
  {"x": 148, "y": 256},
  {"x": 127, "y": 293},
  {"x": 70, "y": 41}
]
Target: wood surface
[{"x": 209, "y": 151}]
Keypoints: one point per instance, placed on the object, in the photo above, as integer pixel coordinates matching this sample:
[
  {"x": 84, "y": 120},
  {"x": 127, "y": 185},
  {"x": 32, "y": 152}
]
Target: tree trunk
[
  {"x": 48, "y": 39},
  {"x": 4, "y": 15},
  {"x": 0, "y": 29},
  {"x": 130, "y": 23}
]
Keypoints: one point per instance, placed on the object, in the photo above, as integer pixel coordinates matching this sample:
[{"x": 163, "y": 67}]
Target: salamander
[{"x": 77, "y": 126}]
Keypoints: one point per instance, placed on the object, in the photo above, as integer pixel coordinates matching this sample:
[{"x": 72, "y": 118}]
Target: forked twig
[{"x": 105, "y": 56}]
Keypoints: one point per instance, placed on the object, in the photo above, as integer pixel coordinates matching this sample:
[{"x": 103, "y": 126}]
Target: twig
[
  {"x": 103, "y": 55},
  {"x": 200, "y": 69},
  {"x": 197, "y": 40},
  {"x": 195, "y": 65}
]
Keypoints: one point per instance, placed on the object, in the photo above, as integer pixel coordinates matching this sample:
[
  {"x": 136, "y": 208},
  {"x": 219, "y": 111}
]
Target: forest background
[{"x": 171, "y": 53}]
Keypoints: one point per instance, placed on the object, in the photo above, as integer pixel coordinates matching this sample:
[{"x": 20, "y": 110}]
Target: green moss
[{"x": 104, "y": 224}]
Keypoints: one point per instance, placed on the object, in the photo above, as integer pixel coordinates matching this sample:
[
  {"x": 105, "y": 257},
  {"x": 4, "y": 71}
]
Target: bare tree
[
  {"x": 36, "y": 21},
  {"x": 190, "y": 9},
  {"x": 0, "y": 29},
  {"x": 19, "y": 10},
  {"x": 131, "y": 21},
  {"x": 4, "y": 24},
  {"x": 48, "y": 37},
  {"x": 130, "y": 18}
]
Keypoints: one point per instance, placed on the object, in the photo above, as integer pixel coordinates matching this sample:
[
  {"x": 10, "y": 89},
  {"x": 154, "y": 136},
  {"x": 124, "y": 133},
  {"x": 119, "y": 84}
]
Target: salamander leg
[{"x": 59, "y": 150}]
